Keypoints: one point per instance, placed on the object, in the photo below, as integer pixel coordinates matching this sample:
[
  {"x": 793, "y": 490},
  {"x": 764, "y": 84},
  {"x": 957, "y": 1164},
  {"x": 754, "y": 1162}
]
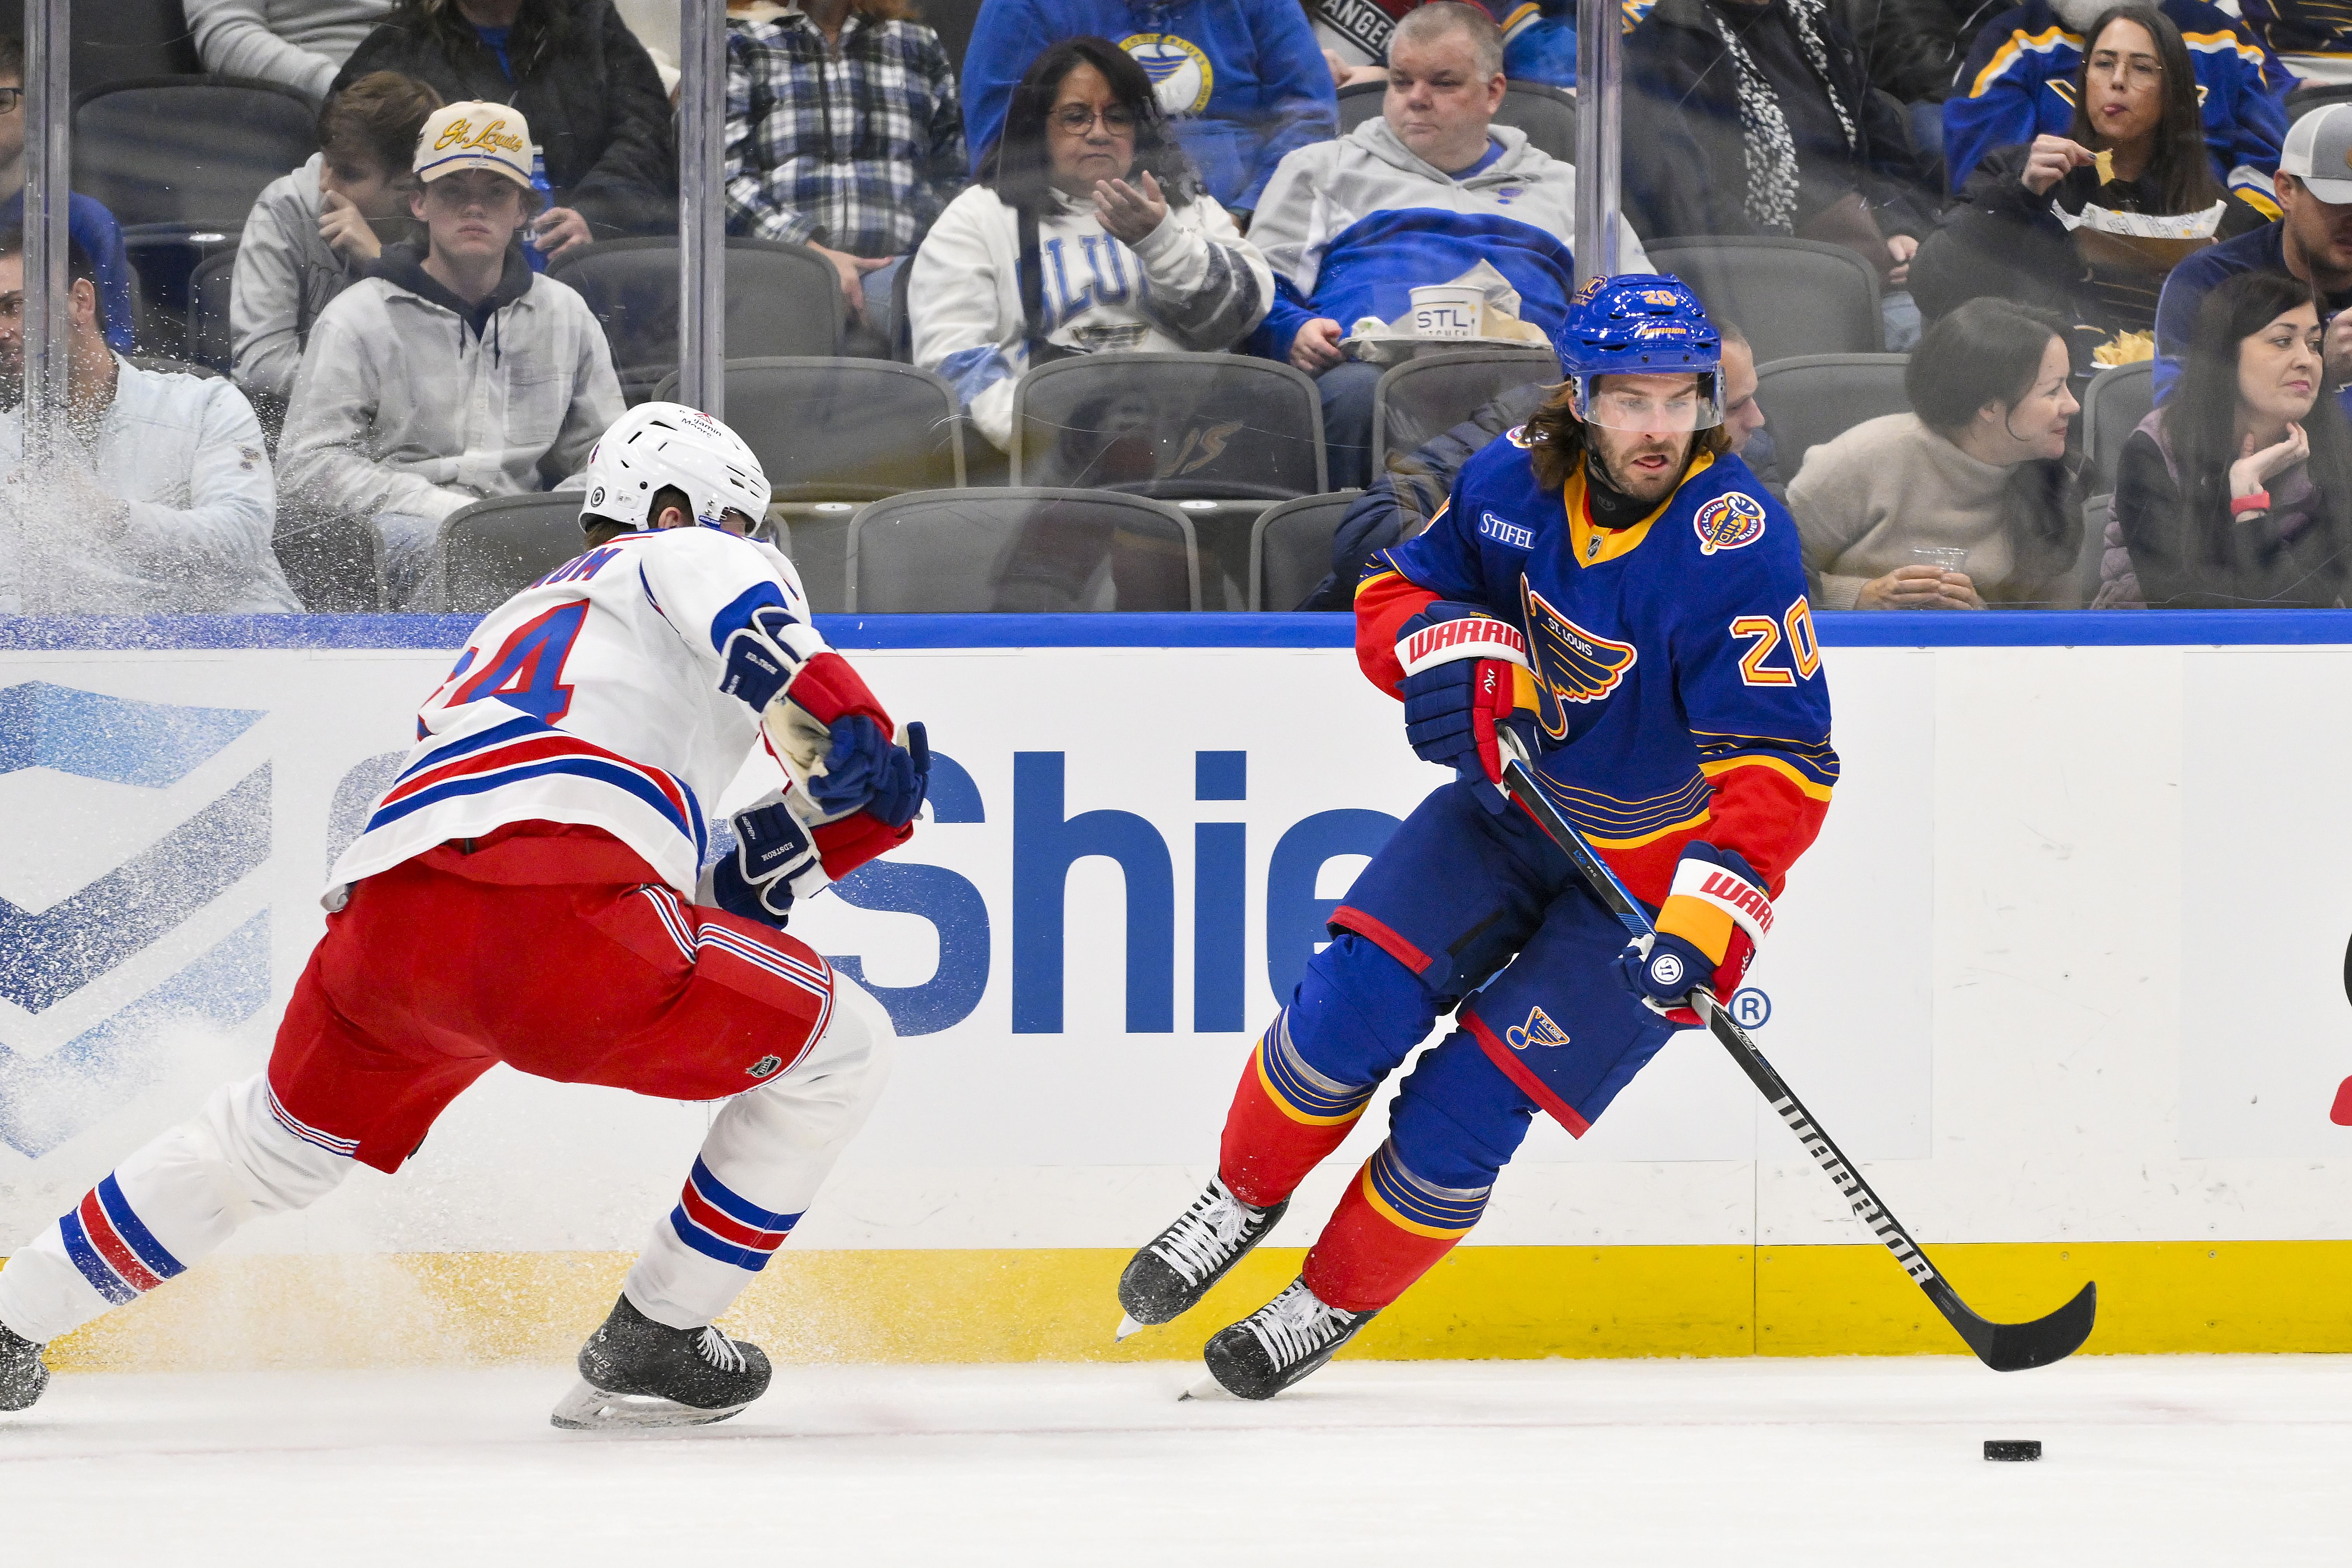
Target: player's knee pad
[
  {"x": 1356, "y": 1012},
  {"x": 1456, "y": 1119},
  {"x": 276, "y": 1168},
  {"x": 823, "y": 1099}
]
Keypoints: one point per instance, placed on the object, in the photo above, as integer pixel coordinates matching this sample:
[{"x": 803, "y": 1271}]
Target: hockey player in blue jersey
[{"x": 1611, "y": 583}]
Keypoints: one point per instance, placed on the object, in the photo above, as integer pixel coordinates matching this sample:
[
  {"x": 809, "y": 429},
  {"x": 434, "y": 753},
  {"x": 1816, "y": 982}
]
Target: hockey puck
[{"x": 2013, "y": 1449}]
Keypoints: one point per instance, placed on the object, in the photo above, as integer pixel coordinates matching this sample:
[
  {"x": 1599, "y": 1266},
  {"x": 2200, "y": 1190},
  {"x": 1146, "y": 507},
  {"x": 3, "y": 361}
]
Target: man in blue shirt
[
  {"x": 1244, "y": 80},
  {"x": 2312, "y": 240}
]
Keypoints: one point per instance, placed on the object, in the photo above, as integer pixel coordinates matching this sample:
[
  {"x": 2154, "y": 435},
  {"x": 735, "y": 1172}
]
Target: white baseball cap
[
  {"x": 474, "y": 136},
  {"x": 2318, "y": 151}
]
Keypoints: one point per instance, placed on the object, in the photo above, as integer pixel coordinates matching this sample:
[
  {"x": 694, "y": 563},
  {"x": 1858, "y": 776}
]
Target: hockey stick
[{"x": 2005, "y": 1347}]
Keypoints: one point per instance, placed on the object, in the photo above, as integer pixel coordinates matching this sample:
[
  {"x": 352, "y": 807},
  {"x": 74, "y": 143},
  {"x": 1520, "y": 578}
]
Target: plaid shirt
[{"x": 857, "y": 149}]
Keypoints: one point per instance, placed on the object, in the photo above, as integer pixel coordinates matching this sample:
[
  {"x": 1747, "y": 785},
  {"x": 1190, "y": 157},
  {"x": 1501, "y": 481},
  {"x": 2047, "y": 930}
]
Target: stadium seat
[
  {"x": 1040, "y": 551},
  {"x": 782, "y": 300},
  {"x": 119, "y": 40},
  {"x": 1429, "y": 394},
  {"x": 333, "y": 561},
  {"x": 1174, "y": 425},
  {"x": 2114, "y": 403},
  {"x": 1816, "y": 398},
  {"x": 832, "y": 431},
  {"x": 187, "y": 153},
  {"x": 1290, "y": 549},
  {"x": 494, "y": 549},
  {"x": 1547, "y": 113},
  {"x": 1791, "y": 296},
  {"x": 209, "y": 340},
  {"x": 2313, "y": 95}
]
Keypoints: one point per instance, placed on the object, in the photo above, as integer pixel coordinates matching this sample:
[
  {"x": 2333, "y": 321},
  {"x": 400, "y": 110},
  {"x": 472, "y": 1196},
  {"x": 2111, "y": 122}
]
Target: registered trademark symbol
[{"x": 1751, "y": 1008}]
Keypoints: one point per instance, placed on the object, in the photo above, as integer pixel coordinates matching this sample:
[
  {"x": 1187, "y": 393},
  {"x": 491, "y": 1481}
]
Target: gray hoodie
[{"x": 285, "y": 275}]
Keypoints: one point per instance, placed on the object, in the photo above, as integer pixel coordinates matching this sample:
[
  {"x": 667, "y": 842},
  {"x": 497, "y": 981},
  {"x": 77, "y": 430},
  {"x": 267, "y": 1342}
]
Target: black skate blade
[{"x": 588, "y": 1409}]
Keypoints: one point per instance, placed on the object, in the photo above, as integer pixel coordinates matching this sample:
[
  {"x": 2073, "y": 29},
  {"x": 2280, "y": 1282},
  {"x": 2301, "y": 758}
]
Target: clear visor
[{"x": 1649, "y": 404}]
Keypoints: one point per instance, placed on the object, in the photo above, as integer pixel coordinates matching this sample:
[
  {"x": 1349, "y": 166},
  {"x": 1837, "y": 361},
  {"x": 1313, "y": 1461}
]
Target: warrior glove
[
  {"x": 1709, "y": 930},
  {"x": 1465, "y": 675}
]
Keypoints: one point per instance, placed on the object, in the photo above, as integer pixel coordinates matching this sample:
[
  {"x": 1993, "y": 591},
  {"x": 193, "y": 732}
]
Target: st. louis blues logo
[
  {"x": 1571, "y": 665},
  {"x": 1727, "y": 523},
  {"x": 1538, "y": 1030}
]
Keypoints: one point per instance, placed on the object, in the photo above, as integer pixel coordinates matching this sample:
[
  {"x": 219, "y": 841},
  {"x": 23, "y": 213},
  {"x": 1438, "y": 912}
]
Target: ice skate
[
  {"x": 1172, "y": 1271},
  {"x": 1279, "y": 1343},
  {"x": 636, "y": 1373},
  {"x": 22, "y": 1374}
]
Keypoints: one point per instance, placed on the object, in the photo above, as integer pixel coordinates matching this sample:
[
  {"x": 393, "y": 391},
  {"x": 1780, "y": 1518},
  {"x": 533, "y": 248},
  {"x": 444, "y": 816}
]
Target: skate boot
[
  {"x": 22, "y": 1374},
  {"x": 635, "y": 1372},
  {"x": 1279, "y": 1343},
  {"x": 1172, "y": 1271}
]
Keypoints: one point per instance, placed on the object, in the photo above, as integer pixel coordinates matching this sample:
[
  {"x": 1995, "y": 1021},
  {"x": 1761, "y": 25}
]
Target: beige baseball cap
[
  {"x": 474, "y": 136},
  {"x": 2318, "y": 151}
]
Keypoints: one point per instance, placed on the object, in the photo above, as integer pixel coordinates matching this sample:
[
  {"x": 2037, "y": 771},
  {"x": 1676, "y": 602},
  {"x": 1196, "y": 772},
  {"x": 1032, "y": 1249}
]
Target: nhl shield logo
[
  {"x": 1727, "y": 522},
  {"x": 1538, "y": 1030},
  {"x": 764, "y": 1067}
]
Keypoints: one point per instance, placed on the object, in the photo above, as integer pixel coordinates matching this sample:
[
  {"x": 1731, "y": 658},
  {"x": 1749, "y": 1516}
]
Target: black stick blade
[{"x": 2018, "y": 1347}]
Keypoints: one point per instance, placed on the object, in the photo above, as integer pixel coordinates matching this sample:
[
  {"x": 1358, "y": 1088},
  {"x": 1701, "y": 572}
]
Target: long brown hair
[
  {"x": 2182, "y": 167},
  {"x": 1555, "y": 439}
]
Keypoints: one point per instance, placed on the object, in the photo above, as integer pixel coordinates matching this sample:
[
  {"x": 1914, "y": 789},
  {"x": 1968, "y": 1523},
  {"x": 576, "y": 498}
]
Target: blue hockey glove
[
  {"x": 1463, "y": 676},
  {"x": 862, "y": 768},
  {"x": 775, "y": 862},
  {"x": 1709, "y": 930}
]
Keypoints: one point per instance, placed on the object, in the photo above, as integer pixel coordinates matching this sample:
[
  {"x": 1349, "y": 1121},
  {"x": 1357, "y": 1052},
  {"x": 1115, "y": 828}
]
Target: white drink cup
[{"x": 1446, "y": 310}]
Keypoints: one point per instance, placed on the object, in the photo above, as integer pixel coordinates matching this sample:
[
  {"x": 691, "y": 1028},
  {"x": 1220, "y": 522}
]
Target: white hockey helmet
[{"x": 657, "y": 445}]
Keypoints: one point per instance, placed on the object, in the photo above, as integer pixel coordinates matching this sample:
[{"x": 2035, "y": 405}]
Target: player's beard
[{"x": 1617, "y": 465}]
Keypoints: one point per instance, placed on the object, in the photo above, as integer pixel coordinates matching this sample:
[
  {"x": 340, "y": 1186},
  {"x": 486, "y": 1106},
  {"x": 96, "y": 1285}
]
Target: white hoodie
[{"x": 1194, "y": 285}]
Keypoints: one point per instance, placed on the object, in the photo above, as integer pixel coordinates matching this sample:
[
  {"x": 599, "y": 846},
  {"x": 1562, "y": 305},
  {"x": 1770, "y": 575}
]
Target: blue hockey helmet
[{"x": 1641, "y": 323}]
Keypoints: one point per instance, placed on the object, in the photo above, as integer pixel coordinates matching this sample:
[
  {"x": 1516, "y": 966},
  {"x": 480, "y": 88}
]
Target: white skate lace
[
  {"x": 1197, "y": 1244},
  {"x": 1296, "y": 1325},
  {"x": 720, "y": 1350}
]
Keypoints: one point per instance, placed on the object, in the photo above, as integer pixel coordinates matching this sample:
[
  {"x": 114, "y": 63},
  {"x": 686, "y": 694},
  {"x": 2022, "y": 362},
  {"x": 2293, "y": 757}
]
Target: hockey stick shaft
[{"x": 2005, "y": 1347}]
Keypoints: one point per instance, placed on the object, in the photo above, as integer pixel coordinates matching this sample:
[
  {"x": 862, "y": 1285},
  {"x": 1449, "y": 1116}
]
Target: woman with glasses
[
  {"x": 2088, "y": 224},
  {"x": 1087, "y": 232}
]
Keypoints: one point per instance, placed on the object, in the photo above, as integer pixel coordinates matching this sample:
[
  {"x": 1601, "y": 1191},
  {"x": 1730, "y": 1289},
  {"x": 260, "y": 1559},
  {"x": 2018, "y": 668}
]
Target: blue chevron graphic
[
  {"x": 117, "y": 739},
  {"x": 46, "y": 958},
  {"x": 44, "y": 1102}
]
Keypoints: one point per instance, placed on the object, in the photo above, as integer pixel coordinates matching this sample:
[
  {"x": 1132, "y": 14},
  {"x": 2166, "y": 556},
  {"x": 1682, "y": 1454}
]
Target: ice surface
[{"x": 1829, "y": 1464}]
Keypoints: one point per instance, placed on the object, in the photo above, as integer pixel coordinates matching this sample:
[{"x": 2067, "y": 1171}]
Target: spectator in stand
[
  {"x": 2013, "y": 233},
  {"x": 1913, "y": 50},
  {"x": 843, "y": 133},
  {"x": 1401, "y": 501},
  {"x": 316, "y": 232},
  {"x": 1419, "y": 196},
  {"x": 1539, "y": 38},
  {"x": 300, "y": 44},
  {"x": 576, "y": 71},
  {"x": 1088, "y": 172},
  {"x": 158, "y": 498},
  {"x": 2312, "y": 37},
  {"x": 2311, "y": 241},
  {"x": 87, "y": 220},
  {"x": 1969, "y": 502},
  {"x": 2020, "y": 81},
  {"x": 1242, "y": 81},
  {"x": 2238, "y": 491},
  {"x": 1754, "y": 117},
  {"x": 454, "y": 371}
]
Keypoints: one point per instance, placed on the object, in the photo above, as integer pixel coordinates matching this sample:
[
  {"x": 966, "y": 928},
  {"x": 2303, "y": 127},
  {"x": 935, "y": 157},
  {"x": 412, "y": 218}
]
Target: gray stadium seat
[
  {"x": 118, "y": 40},
  {"x": 1816, "y": 398},
  {"x": 1175, "y": 426},
  {"x": 1792, "y": 296},
  {"x": 1290, "y": 549},
  {"x": 2313, "y": 95},
  {"x": 333, "y": 561},
  {"x": 208, "y": 299},
  {"x": 1430, "y": 394},
  {"x": 1029, "y": 551},
  {"x": 782, "y": 300},
  {"x": 187, "y": 152},
  {"x": 492, "y": 550},
  {"x": 2114, "y": 403},
  {"x": 1547, "y": 113}
]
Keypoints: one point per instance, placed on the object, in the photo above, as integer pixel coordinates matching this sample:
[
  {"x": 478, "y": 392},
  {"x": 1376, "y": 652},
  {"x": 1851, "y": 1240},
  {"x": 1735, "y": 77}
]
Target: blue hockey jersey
[
  {"x": 1678, "y": 680},
  {"x": 1243, "y": 80},
  {"x": 2019, "y": 83}
]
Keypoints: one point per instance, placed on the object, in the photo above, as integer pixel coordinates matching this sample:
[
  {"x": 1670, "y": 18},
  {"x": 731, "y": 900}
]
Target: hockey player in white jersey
[{"x": 526, "y": 891}]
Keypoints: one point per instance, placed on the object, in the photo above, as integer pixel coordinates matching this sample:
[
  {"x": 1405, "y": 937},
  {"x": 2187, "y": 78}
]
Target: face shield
[{"x": 1670, "y": 405}]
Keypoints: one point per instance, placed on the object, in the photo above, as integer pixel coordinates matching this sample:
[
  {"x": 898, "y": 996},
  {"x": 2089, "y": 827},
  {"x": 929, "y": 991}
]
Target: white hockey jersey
[{"x": 592, "y": 696}]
